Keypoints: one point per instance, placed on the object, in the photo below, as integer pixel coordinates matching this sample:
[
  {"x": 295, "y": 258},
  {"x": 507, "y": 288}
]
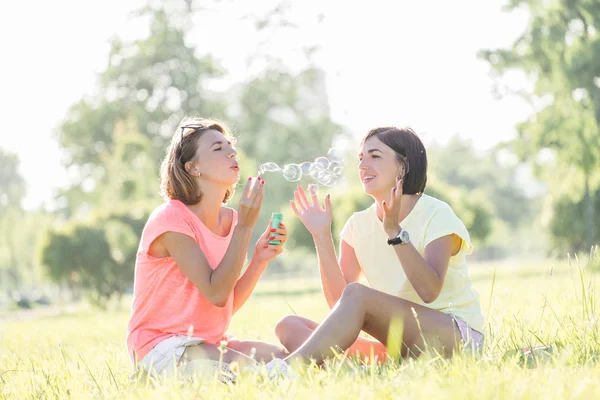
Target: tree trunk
[{"x": 590, "y": 217}]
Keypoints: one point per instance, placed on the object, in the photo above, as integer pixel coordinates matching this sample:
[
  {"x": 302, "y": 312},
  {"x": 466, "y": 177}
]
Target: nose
[
  {"x": 361, "y": 165},
  {"x": 233, "y": 153}
]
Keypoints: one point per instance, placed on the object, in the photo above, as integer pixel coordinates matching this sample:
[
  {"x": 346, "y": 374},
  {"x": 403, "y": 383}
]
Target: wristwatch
[{"x": 402, "y": 238}]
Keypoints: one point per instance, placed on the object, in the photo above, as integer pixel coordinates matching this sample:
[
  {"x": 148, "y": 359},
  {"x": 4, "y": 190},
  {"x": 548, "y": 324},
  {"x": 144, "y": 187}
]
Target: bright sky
[{"x": 392, "y": 63}]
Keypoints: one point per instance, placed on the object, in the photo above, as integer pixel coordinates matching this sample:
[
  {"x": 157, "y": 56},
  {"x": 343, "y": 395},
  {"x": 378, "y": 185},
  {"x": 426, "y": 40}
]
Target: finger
[
  {"x": 261, "y": 194},
  {"x": 385, "y": 207},
  {"x": 278, "y": 231},
  {"x": 328, "y": 204},
  {"x": 275, "y": 237},
  {"x": 255, "y": 190},
  {"x": 302, "y": 204},
  {"x": 303, "y": 197},
  {"x": 278, "y": 236},
  {"x": 400, "y": 188},
  {"x": 246, "y": 190},
  {"x": 313, "y": 196},
  {"x": 295, "y": 209},
  {"x": 392, "y": 197}
]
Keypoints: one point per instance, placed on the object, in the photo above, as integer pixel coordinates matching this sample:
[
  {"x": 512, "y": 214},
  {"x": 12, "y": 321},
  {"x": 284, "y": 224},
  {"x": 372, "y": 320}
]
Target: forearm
[
  {"x": 246, "y": 284},
  {"x": 424, "y": 279},
  {"x": 332, "y": 279},
  {"x": 224, "y": 278}
]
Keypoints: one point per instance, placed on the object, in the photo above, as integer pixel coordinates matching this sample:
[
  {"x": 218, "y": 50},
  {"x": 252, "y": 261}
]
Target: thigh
[
  {"x": 263, "y": 351},
  {"x": 361, "y": 347},
  {"x": 309, "y": 323},
  {"x": 420, "y": 325}
]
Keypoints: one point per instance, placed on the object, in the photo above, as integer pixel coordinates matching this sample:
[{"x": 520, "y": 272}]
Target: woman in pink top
[{"x": 191, "y": 254}]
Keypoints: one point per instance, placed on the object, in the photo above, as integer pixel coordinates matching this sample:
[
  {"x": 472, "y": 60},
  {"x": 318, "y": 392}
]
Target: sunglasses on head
[{"x": 195, "y": 127}]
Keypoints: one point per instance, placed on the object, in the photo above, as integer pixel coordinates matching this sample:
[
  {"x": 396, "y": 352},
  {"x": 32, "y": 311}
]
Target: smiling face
[
  {"x": 378, "y": 167},
  {"x": 387, "y": 153}
]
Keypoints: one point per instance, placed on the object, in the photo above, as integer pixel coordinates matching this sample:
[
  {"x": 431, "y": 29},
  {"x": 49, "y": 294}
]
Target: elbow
[
  {"x": 218, "y": 300},
  {"x": 430, "y": 297}
]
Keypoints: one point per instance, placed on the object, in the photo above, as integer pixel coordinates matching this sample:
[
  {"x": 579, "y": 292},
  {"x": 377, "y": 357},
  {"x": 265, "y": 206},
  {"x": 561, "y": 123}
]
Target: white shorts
[{"x": 164, "y": 357}]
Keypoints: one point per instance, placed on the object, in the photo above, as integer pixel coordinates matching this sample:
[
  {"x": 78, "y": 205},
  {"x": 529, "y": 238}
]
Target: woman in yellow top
[{"x": 410, "y": 247}]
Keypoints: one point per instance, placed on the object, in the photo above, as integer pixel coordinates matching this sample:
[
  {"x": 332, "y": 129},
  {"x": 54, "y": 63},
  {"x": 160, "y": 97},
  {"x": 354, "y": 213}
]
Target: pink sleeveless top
[{"x": 165, "y": 302}]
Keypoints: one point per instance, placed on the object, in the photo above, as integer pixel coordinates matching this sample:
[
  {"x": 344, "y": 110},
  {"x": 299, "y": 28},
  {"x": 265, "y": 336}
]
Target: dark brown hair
[
  {"x": 175, "y": 182},
  {"x": 409, "y": 151}
]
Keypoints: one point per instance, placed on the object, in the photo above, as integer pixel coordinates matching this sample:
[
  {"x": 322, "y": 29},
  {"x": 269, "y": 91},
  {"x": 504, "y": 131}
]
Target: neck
[{"x": 208, "y": 208}]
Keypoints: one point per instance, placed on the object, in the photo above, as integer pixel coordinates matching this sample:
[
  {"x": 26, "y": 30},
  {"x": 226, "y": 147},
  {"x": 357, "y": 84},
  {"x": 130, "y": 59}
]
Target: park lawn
[{"x": 82, "y": 354}]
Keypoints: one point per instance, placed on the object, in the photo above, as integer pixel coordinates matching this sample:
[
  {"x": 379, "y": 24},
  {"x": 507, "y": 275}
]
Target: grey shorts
[{"x": 471, "y": 339}]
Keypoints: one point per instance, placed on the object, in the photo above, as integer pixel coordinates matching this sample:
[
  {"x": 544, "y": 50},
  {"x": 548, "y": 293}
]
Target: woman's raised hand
[
  {"x": 315, "y": 218},
  {"x": 250, "y": 202}
]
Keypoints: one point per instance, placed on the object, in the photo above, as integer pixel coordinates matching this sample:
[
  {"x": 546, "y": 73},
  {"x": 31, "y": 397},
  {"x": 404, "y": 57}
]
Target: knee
[
  {"x": 286, "y": 325},
  {"x": 354, "y": 292}
]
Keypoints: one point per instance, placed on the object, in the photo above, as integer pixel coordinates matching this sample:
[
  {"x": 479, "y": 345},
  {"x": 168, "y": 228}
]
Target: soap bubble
[
  {"x": 336, "y": 167},
  {"x": 314, "y": 169},
  {"x": 306, "y": 166},
  {"x": 335, "y": 154},
  {"x": 323, "y": 161},
  {"x": 314, "y": 173},
  {"x": 325, "y": 171},
  {"x": 325, "y": 178},
  {"x": 292, "y": 172},
  {"x": 269, "y": 167}
]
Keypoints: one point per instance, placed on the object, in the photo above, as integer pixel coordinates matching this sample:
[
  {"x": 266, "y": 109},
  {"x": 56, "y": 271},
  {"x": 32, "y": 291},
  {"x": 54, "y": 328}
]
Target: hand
[
  {"x": 314, "y": 217},
  {"x": 391, "y": 211},
  {"x": 250, "y": 203},
  {"x": 265, "y": 252}
]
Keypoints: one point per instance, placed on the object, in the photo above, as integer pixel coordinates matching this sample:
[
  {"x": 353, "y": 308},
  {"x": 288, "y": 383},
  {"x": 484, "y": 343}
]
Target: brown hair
[
  {"x": 410, "y": 152},
  {"x": 175, "y": 182}
]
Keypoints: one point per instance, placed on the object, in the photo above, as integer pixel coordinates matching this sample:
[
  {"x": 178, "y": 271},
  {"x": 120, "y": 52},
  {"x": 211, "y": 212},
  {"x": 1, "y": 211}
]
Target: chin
[
  {"x": 370, "y": 190},
  {"x": 231, "y": 182}
]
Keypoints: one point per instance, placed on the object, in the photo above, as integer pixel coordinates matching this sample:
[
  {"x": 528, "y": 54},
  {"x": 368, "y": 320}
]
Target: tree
[
  {"x": 97, "y": 256},
  {"x": 12, "y": 184},
  {"x": 560, "y": 53},
  {"x": 12, "y": 191},
  {"x": 151, "y": 82}
]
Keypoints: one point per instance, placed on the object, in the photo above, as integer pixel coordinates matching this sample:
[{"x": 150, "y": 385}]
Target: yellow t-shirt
[{"x": 430, "y": 219}]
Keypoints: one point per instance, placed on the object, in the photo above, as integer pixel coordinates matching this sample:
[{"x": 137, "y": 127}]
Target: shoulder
[
  {"x": 228, "y": 214},
  {"x": 433, "y": 205},
  {"x": 435, "y": 209},
  {"x": 172, "y": 211},
  {"x": 440, "y": 220}
]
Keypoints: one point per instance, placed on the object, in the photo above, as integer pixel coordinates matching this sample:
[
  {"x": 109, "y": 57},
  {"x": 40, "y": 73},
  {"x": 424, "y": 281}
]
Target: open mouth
[{"x": 368, "y": 178}]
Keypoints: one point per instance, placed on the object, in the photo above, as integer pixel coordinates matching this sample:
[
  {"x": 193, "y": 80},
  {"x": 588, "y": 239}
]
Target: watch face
[{"x": 404, "y": 236}]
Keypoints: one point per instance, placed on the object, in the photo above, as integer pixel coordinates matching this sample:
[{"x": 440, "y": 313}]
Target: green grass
[{"x": 83, "y": 355}]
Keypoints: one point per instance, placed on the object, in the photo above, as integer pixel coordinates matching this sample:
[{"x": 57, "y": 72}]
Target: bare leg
[
  {"x": 263, "y": 351},
  {"x": 294, "y": 330},
  {"x": 212, "y": 352},
  {"x": 363, "y": 308}
]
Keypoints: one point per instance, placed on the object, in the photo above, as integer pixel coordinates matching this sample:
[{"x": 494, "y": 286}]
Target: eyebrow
[
  {"x": 219, "y": 142},
  {"x": 372, "y": 151}
]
